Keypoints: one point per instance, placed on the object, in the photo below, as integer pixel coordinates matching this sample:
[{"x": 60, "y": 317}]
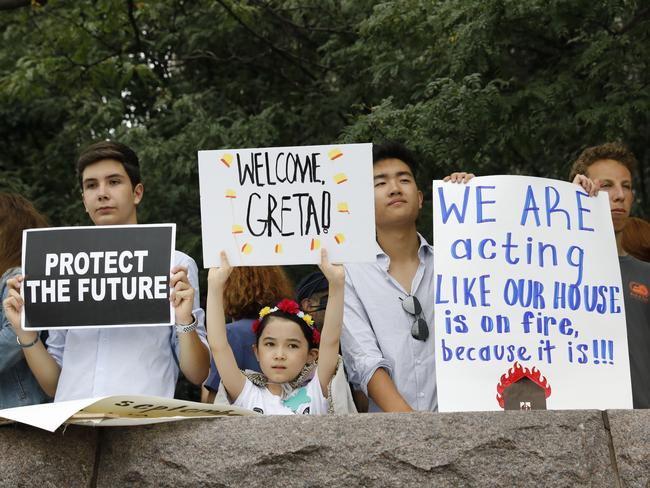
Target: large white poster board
[
  {"x": 528, "y": 285},
  {"x": 280, "y": 205}
]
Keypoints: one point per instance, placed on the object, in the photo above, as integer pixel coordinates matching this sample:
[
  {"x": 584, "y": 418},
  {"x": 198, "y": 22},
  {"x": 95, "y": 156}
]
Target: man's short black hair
[
  {"x": 395, "y": 150},
  {"x": 110, "y": 150}
]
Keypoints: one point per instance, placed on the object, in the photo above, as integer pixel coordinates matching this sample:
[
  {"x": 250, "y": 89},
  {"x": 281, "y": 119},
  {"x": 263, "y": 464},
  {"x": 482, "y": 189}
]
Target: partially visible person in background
[
  {"x": 18, "y": 387},
  {"x": 611, "y": 168},
  {"x": 636, "y": 238},
  {"x": 248, "y": 289},
  {"x": 312, "y": 295}
]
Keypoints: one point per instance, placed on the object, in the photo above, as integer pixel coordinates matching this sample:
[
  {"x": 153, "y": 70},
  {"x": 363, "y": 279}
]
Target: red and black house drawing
[{"x": 523, "y": 389}]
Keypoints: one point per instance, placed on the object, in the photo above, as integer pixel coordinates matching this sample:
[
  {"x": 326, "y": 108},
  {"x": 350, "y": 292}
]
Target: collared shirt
[
  {"x": 116, "y": 361},
  {"x": 377, "y": 330}
]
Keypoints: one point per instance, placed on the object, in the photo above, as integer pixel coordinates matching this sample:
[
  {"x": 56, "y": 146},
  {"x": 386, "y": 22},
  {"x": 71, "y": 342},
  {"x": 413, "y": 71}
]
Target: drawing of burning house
[{"x": 523, "y": 389}]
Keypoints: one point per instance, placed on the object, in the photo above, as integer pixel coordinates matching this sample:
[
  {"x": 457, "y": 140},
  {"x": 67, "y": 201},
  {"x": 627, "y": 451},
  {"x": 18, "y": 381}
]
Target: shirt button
[
  {"x": 417, "y": 361},
  {"x": 421, "y": 394}
]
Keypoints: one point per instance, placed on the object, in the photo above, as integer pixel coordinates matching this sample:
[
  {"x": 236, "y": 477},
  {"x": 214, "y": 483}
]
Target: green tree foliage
[
  {"x": 509, "y": 87},
  {"x": 489, "y": 86}
]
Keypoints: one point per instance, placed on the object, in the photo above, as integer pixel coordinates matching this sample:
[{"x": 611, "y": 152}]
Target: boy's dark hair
[
  {"x": 307, "y": 331},
  {"x": 610, "y": 150},
  {"x": 110, "y": 150},
  {"x": 395, "y": 150}
]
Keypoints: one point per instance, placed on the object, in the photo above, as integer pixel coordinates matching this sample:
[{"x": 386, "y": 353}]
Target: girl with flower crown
[{"x": 287, "y": 348}]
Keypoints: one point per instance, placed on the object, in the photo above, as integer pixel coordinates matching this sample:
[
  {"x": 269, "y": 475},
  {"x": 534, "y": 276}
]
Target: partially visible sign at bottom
[{"x": 119, "y": 410}]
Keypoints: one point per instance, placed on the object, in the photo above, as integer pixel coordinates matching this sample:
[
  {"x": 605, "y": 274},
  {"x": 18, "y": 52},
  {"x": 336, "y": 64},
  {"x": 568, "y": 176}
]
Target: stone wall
[{"x": 536, "y": 448}]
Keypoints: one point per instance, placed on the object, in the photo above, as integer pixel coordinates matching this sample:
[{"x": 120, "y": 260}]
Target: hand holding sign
[
  {"x": 587, "y": 184},
  {"x": 182, "y": 295},
  {"x": 458, "y": 177},
  {"x": 13, "y": 304},
  {"x": 335, "y": 273},
  {"x": 219, "y": 276}
]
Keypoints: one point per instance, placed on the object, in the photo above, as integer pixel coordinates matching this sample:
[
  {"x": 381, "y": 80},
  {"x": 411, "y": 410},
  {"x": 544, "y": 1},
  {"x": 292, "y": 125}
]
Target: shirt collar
[{"x": 383, "y": 260}]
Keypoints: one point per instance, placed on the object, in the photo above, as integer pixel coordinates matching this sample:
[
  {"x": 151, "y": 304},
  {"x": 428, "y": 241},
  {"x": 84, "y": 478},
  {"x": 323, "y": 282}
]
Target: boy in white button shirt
[{"x": 88, "y": 363}]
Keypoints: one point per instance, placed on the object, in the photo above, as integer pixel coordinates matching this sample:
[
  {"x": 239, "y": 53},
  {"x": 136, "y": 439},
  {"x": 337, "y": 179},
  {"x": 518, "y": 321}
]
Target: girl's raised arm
[
  {"x": 231, "y": 376},
  {"x": 328, "y": 351}
]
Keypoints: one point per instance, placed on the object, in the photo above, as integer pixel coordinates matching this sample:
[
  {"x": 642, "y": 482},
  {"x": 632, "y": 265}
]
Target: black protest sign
[{"x": 111, "y": 276}]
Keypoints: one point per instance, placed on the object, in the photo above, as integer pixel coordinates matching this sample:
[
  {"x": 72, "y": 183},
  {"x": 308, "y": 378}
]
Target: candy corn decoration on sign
[
  {"x": 226, "y": 159},
  {"x": 282, "y": 205},
  {"x": 340, "y": 178},
  {"x": 343, "y": 207},
  {"x": 335, "y": 154}
]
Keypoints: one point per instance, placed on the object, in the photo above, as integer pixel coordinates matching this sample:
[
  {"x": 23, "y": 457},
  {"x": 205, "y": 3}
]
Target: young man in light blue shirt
[{"x": 387, "y": 339}]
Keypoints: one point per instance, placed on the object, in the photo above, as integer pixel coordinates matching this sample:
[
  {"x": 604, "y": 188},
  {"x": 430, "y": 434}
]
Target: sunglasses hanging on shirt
[{"x": 419, "y": 329}]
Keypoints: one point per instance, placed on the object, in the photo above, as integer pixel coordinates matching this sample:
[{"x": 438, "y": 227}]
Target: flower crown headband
[{"x": 292, "y": 308}]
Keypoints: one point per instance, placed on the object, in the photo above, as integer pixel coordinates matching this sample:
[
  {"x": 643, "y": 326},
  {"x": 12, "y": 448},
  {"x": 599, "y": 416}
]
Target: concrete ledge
[
  {"x": 37, "y": 459},
  {"x": 535, "y": 448},
  {"x": 630, "y": 430}
]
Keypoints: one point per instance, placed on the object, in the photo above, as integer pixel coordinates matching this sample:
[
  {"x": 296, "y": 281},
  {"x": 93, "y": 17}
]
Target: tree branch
[
  {"x": 131, "y": 7},
  {"x": 642, "y": 15},
  {"x": 281, "y": 52}
]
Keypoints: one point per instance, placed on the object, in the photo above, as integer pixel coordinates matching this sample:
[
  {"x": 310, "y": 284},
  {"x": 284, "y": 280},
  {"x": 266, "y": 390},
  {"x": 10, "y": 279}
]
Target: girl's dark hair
[{"x": 306, "y": 329}]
